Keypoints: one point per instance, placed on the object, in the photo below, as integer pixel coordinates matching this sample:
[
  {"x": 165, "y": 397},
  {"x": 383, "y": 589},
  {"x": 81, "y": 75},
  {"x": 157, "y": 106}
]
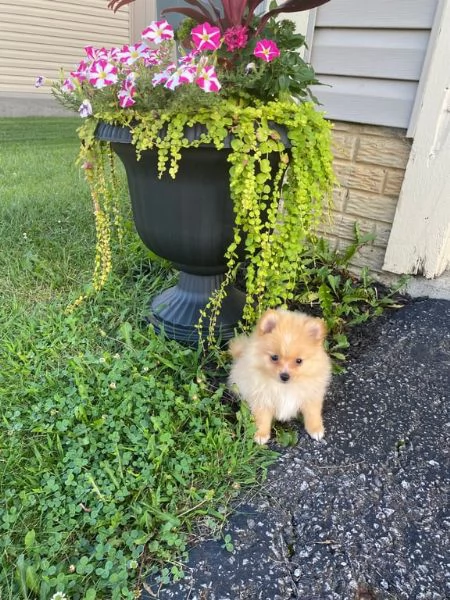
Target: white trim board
[{"x": 420, "y": 236}]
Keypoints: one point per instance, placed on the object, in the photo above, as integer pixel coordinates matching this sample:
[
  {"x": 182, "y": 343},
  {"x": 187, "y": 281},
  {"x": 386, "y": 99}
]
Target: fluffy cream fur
[{"x": 282, "y": 369}]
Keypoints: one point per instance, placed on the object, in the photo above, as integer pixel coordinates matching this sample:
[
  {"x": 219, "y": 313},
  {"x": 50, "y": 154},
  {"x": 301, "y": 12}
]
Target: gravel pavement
[{"x": 364, "y": 514}]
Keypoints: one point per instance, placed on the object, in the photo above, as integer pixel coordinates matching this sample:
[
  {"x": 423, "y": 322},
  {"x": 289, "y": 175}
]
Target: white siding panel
[
  {"x": 71, "y": 47},
  {"x": 142, "y": 12},
  {"x": 365, "y": 47},
  {"x": 58, "y": 37},
  {"x": 372, "y": 101},
  {"x": 386, "y": 14},
  {"x": 386, "y": 54},
  {"x": 42, "y": 20},
  {"x": 38, "y": 37}
]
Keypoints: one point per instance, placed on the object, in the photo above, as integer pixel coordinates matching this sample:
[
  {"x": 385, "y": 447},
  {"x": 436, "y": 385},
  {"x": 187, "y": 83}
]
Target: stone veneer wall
[{"x": 370, "y": 163}]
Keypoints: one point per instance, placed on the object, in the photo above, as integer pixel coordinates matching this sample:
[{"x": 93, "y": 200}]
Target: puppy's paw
[
  {"x": 261, "y": 438},
  {"x": 318, "y": 434}
]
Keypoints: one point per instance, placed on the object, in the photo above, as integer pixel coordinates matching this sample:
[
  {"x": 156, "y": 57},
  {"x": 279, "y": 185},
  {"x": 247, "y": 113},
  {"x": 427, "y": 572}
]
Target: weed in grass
[
  {"x": 119, "y": 443},
  {"x": 327, "y": 288},
  {"x": 111, "y": 442}
]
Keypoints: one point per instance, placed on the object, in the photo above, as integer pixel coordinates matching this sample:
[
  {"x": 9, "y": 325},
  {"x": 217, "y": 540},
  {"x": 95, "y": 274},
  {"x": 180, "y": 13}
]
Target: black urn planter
[{"x": 188, "y": 220}]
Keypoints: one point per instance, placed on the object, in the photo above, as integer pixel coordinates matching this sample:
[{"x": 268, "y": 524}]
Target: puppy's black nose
[{"x": 284, "y": 377}]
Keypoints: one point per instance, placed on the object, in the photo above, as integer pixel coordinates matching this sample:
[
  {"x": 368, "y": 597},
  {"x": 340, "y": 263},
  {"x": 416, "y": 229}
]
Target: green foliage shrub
[{"x": 112, "y": 442}]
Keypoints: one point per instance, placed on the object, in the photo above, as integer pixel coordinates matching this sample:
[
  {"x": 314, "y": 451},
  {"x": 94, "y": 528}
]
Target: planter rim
[{"x": 121, "y": 134}]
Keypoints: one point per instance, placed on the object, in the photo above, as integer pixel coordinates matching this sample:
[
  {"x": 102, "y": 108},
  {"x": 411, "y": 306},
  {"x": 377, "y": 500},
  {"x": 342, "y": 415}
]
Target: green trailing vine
[{"x": 279, "y": 187}]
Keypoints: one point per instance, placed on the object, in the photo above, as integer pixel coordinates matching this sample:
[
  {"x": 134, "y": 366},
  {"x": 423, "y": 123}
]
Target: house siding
[
  {"x": 372, "y": 58},
  {"x": 370, "y": 165},
  {"x": 38, "y": 37},
  {"x": 369, "y": 57},
  {"x": 142, "y": 13}
]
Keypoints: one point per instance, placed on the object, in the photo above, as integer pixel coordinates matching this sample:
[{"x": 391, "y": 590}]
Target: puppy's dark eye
[
  {"x": 299, "y": 361},
  {"x": 274, "y": 358}
]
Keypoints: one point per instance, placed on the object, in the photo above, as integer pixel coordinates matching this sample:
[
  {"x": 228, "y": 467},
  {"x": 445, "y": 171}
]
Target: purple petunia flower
[{"x": 85, "y": 109}]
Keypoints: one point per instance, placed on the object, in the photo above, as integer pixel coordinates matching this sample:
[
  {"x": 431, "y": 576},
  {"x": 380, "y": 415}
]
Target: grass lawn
[
  {"x": 46, "y": 229},
  {"x": 112, "y": 444}
]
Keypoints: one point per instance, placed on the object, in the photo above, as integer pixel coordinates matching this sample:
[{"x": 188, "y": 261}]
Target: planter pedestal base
[
  {"x": 188, "y": 221},
  {"x": 176, "y": 311}
]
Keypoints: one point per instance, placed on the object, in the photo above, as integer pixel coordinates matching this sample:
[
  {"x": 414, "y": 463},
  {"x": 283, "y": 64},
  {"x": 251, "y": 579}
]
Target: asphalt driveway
[{"x": 363, "y": 515}]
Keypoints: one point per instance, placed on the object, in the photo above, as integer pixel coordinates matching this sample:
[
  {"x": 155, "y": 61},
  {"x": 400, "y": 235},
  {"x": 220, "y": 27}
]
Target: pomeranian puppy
[{"x": 281, "y": 370}]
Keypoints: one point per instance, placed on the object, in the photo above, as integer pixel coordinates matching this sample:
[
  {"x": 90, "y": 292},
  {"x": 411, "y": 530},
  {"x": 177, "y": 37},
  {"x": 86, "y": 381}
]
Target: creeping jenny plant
[{"x": 244, "y": 81}]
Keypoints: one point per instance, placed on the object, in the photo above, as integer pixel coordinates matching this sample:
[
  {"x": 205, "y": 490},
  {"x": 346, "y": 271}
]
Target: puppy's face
[{"x": 290, "y": 345}]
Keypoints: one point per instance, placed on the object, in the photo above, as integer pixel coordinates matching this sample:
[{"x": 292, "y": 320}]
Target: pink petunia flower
[
  {"x": 82, "y": 71},
  {"x": 207, "y": 80},
  {"x": 102, "y": 73},
  {"x": 206, "y": 37},
  {"x": 96, "y": 53},
  {"x": 189, "y": 58},
  {"x": 126, "y": 97},
  {"x": 130, "y": 54},
  {"x": 113, "y": 54},
  {"x": 129, "y": 81},
  {"x": 173, "y": 81},
  {"x": 91, "y": 52},
  {"x": 68, "y": 85},
  {"x": 152, "y": 58},
  {"x": 164, "y": 75},
  {"x": 267, "y": 50},
  {"x": 85, "y": 109},
  {"x": 158, "y": 31},
  {"x": 181, "y": 76},
  {"x": 236, "y": 37}
]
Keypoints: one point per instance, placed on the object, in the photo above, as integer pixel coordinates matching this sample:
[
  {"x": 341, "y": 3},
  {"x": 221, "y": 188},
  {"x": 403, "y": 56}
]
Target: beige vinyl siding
[
  {"x": 369, "y": 56},
  {"x": 382, "y": 14},
  {"x": 370, "y": 101},
  {"x": 38, "y": 37},
  {"x": 142, "y": 13},
  {"x": 389, "y": 54}
]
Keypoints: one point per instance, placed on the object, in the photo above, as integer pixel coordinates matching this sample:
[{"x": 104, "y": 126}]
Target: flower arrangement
[
  {"x": 236, "y": 74},
  {"x": 237, "y": 62},
  {"x": 227, "y": 50}
]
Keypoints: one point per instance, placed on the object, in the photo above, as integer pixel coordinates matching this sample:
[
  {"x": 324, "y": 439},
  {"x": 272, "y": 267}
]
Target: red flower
[{"x": 236, "y": 37}]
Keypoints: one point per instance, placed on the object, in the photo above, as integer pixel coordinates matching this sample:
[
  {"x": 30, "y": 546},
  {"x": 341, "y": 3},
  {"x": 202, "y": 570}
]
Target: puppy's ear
[
  {"x": 316, "y": 328},
  {"x": 268, "y": 322},
  {"x": 237, "y": 346}
]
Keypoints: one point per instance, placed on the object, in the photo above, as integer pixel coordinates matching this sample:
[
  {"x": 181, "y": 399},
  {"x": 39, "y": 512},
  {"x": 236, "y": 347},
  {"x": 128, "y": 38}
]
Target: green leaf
[
  {"x": 31, "y": 578},
  {"x": 125, "y": 331},
  {"x": 325, "y": 297},
  {"x": 334, "y": 281},
  {"x": 30, "y": 539},
  {"x": 261, "y": 178},
  {"x": 287, "y": 437},
  {"x": 236, "y": 144},
  {"x": 21, "y": 574},
  {"x": 338, "y": 355},
  {"x": 341, "y": 341},
  {"x": 265, "y": 166}
]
